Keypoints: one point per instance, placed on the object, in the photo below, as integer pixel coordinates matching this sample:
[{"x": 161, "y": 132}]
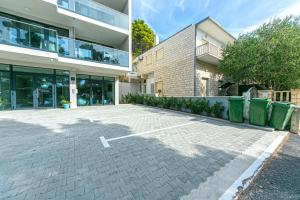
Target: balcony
[
  {"x": 209, "y": 53},
  {"x": 96, "y": 11},
  {"x": 20, "y": 34},
  {"x": 82, "y": 50}
]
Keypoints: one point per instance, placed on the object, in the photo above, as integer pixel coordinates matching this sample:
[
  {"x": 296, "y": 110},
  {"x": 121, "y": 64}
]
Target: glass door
[
  {"x": 109, "y": 92},
  {"x": 84, "y": 90},
  {"x": 44, "y": 91},
  {"x": 24, "y": 91},
  {"x": 97, "y": 90}
]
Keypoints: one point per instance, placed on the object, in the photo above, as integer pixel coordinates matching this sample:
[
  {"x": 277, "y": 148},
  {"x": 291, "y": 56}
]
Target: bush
[
  {"x": 199, "y": 106},
  {"x": 217, "y": 109},
  {"x": 195, "y": 107}
]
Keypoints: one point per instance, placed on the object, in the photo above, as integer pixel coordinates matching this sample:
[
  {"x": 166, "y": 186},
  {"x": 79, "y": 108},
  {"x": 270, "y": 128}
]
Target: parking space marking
[{"x": 106, "y": 144}]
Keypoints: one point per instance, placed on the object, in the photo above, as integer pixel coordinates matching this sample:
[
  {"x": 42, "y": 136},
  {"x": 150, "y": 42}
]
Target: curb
[
  {"x": 211, "y": 118},
  {"x": 251, "y": 172}
]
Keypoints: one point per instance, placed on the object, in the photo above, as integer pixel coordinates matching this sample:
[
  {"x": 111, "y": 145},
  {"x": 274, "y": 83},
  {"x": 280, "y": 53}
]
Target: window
[
  {"x": 152, "y": 88},
  {"x": 149, "y": 59},
  {"x": 160, "y": 54},
  {"x": 62, "y": 86}
]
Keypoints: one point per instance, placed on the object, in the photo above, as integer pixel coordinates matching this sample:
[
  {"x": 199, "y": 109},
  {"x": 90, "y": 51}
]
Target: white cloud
[
  {"x": 206, "y": 4},
  {"x": 180, "y": 4},
  {"x": 293, "y": 9},
  {"x": 148, "y": 5}
]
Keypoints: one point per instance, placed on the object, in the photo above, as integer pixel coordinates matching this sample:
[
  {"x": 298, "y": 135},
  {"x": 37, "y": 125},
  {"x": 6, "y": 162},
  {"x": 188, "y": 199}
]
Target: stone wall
[
  {"x": 126, "y": 88},
  {"x": 175, "y": 68},
  {"x": 212, "y": 75}
]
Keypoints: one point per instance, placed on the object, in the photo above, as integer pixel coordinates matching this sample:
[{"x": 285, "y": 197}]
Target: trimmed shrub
[
  {"x": 188, "y": 105},
  {"x": 217, "y": 109}
]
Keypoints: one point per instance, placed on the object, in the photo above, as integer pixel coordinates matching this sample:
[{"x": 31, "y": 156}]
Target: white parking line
[{"x": 106, "y": 144}]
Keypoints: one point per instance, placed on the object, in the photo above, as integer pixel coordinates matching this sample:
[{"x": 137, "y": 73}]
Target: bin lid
[
  {"x": 283, "y": 104},
  {"x": 261, "y": 100},
  {"x": 236, "y": 98}
]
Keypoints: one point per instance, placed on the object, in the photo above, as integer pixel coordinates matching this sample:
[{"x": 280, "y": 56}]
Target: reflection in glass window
[
  {"x": 62, "y": 86},
  {"x": 4, "y": 90},
  {"x": 83, "y": 88}
]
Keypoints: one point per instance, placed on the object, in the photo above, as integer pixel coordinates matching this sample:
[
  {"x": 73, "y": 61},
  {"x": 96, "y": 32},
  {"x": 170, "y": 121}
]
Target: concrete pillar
[
  {"x": 73, "y": 89},
  {"x": 295, "y": 96},
  {"x": 295, "y": 121},
  {"x": 265, "y": 94},
  {"x": 117, "y": 91}
]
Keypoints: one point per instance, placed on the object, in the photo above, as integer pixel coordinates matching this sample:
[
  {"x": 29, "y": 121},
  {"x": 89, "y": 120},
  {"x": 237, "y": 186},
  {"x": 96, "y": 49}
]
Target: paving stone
[{"x": 57, "y": 154}]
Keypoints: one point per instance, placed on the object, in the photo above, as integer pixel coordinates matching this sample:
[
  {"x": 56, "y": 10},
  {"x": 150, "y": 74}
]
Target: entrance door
[
  {"x": 204, "y": 87},
  {"x": 24, "y": 91},
  {"x": 97, "y": 92},
  {"x": 44, "y": 91}
]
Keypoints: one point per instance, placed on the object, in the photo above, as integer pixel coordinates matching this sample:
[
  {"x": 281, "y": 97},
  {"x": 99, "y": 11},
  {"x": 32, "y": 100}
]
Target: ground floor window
[
  {"x": 30, "y": 87},
  {"x": 95, "y": 90},
  {"x": 62, "y": 86},
  {"x": 5, "y": 85}
]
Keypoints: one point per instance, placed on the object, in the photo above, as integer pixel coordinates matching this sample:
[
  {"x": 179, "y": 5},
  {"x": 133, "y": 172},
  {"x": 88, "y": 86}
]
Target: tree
[
  {"x": 270, "y": 55},
  {"x": 142, "y": 37}
]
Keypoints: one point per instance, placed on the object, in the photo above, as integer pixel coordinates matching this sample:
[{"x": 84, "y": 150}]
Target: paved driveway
[{"x": 122, "y": 152}]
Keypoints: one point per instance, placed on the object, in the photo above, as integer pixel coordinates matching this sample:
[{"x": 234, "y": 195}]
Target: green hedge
[{"x": 200, "y": 107}]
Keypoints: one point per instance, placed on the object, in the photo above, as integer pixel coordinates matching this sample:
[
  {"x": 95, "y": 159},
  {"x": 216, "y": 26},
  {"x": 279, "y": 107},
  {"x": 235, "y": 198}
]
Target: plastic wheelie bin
[
  {"x": 236, "y": 109},
  {"x": 259, "y": 110},
  {"x": 281, "y": 114}
]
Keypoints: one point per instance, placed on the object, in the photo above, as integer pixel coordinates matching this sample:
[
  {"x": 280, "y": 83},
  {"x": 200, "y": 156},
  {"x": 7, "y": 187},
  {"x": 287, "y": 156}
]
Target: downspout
[{"x": 195, "y": 71}]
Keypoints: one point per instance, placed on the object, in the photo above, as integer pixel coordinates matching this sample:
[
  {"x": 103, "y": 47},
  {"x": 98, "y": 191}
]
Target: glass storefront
[
  {"x": 5, "y": 87},
  {"x": 84, "y": 90},
  {"x": 62, "y": 87},
  {"x": 29, "y": 87},
  {"x": 95, "y": 90}
]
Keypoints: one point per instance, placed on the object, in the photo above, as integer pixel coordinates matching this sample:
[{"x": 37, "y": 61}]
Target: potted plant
[
  {"x": 65, "y": 103},
  {"x": 3, "y": 103}
]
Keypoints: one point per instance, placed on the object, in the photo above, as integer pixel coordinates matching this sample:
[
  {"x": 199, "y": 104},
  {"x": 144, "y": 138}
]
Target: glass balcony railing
[
  {"x": 26, "y": 35},
  {"x": 95, "y": 11},
  {"x": 91, "y": 52},
  {"x": 22, "y": 34}
]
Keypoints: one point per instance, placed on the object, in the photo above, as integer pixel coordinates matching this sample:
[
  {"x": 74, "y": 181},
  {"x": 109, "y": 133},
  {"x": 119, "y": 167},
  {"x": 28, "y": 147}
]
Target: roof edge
[{"x": 216, "y": 23}]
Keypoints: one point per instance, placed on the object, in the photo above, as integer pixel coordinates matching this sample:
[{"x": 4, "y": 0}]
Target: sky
[{"x": 166, "y": 17}]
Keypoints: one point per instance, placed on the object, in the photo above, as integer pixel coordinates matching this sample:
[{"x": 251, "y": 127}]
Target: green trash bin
[
  {"x": 259, "y": 110},
  {"x": 236, "y": 109},
  {"x": 281, "y": 114}
]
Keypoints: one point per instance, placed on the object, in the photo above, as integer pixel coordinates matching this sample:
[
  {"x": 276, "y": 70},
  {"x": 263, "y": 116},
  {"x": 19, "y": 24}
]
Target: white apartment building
[{"x": 52, "y": 50}]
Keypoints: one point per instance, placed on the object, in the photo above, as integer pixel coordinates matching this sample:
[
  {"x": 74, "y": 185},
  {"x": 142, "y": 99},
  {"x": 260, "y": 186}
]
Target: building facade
[
  {"x": 186, "y": 64},
  {"x": 54, "y": 50}
]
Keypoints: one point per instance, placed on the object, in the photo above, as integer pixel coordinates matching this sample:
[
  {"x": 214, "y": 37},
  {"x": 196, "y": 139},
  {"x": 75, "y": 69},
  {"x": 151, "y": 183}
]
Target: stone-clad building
[{"x": 185, "y": 64}]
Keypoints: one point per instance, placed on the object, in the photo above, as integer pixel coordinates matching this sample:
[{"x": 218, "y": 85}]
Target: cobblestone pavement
[
  {"x": 280, "y": 179},
  {"x": 57, "y": 154}
]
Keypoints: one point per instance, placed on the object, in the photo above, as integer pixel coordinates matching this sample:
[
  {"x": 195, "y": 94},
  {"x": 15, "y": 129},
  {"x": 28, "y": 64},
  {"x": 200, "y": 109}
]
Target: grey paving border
[
  {"x": 211, "y": 118},
  {"x": 243, "y": 182}
]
